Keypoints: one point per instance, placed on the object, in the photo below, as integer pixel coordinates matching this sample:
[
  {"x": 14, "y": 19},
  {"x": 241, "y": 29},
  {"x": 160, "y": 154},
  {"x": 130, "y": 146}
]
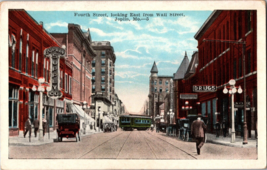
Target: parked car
[{"x": 68, "y": 126}]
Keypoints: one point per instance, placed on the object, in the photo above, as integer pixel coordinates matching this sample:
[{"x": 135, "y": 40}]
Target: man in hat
[
  {"x": 28, "y": 127},
  {"x": 36, "y": 126},
  {"x": 44, "y": 126},
  {"x": 224, "y": 127},
  {"x": 197, "y": 130}
]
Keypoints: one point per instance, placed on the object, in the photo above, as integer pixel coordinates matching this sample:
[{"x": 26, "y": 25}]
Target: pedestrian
[
  {"x": 224, "y": 127},
  {"x": 197, "y": 130},
  {"x": 44, "y": 126},
  {"x": 36, "y": 126},
  {"x": 28, "y": 127},
  {"x": 217, "y": 129}
]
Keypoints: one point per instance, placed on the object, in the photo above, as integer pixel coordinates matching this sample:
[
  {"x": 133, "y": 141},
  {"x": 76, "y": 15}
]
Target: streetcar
[{"x": 130, "y": 122}]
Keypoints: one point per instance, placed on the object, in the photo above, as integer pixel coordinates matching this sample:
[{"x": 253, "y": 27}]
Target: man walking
[
  {"x": 197, "y": 129},
  {"x": 36, "y": 126},
  {"x": 28, "y": 127},
  {"x": 224, "y": 127}
]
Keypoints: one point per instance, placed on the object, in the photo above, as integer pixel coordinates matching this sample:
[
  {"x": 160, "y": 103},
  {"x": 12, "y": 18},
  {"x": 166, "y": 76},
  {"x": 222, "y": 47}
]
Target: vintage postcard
[{"x": 133, "y": 85}]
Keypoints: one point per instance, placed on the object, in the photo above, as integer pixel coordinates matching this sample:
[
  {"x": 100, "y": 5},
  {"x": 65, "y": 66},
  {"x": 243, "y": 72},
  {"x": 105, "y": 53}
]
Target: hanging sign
[
  {"x": 204, "y": 88},
  {"x": 188, "y": 96},
  {"x": 241, "y": 104},
  {"x": 54, "y": 53}
]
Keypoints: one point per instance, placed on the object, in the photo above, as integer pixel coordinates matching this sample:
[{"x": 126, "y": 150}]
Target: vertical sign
[{"x": 54, "y": 53}]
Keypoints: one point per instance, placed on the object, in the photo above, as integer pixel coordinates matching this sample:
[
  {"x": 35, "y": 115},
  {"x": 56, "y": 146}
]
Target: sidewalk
[
  {"x": 211, "y": 138},
  {"x": 51, "y": 138}
]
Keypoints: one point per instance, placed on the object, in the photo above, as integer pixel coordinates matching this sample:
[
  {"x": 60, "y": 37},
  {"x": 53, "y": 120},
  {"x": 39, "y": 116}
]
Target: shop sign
[
  {"x": 204, "y": 88},
  {"x": 188, "y": 96},
  {"x": 54, "y": 54},
  {"x": 241, "y": 104}
]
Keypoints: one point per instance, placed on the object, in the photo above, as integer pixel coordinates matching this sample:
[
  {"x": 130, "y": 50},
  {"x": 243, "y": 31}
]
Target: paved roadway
[{"x": 130, "y": 145}]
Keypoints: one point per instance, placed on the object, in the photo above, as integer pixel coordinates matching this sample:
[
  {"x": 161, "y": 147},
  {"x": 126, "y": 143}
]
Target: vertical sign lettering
[{"x": 54, "y": 53}]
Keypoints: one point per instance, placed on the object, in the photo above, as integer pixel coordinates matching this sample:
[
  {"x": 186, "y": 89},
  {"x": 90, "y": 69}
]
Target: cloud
[
  {"x": 129, "y": 74},
  {"x": 124, "y": 55},
  {"x": 48, "y": 26},
  {"x": 133, "y": 66}
]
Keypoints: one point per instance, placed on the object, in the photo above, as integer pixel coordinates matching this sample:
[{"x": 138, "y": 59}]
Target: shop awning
[
  {"x": 77, "y": 109},
  {"x": 107, "y": 120}
]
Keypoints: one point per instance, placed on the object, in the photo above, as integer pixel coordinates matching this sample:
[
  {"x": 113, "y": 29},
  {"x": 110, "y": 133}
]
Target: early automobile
[{"x": 68, "y": 126}]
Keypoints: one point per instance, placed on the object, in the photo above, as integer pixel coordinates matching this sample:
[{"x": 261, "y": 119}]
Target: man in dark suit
[
  {"x": 36, "y": 126},
  {"x": 197, "y": 129},
  {"x": 28, "y": 127}
]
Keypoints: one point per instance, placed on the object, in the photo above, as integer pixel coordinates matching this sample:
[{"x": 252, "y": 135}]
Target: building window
[
  {"x": 27, "y": 57},
  {"x": 103, "y": 53},
  {"x": 70, "y": 85},
  {"x": 47, "y": 73},
  {"x": 61, "y": 79},
  {"x": 214, "y": 108},
  {"x": 93, "y": 63},
  {"x": 155, "y": 82},
  {"x": 13, "y": 106},
  {"x": 240, "y": 26},
  {"x": 20, "y": 54},
  {"x": 36, "y": 65},
  {"x": 166, "y": 82},
  {"x": 13, "y": 48},
  {"x": 155, "y": 89},
  {"x": 152, "y": 82},
  {"x": 103, "y": 62},
  {"x": 248, "y": 18},
  {"x": 160, "y": 81},
  {"x": 102, "y": 80},
  {"x": 234, "y": 69},
  {"x": 44, "y": 70},
  {"x": 33, "y": 105},
  {"x": 93, "y": 89},
  {"x": 160, "y": 90},
  {"x": 103, "y": 88},
  {"x": 240, "y": 67},
  {"x": 103, "y": 70},
  {"x": 203, "y": 109},
  {"x": 167, "y": 90},
  {"x": 248, "y": 62},
  {"x": 50, "y": 112},
  {"x": 32, "y": 67},
  {"x": 66, "y": 83}
]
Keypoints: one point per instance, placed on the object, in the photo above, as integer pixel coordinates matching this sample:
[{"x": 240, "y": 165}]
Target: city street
[{"x": 129, "y": 145}]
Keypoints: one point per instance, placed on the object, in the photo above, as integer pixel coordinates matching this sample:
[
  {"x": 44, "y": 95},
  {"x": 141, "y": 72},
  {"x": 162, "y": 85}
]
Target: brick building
[
  {"x": 27, "y": 41},
  {"x": 79, "y": 58},
  {"x": 219, "y": 62}
]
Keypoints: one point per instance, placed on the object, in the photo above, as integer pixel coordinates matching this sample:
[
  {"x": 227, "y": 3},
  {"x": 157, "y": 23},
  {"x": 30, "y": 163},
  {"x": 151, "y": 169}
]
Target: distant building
[{"x": 159, "y": 87}]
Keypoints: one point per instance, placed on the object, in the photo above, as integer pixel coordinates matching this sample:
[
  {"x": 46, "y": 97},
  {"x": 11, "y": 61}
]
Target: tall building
[
  {"x": 159, "y": 87},
  {"x": 27, "y": 42},
  {"x": 79, "y": 54},
  {"x": 103, "y": 80}
]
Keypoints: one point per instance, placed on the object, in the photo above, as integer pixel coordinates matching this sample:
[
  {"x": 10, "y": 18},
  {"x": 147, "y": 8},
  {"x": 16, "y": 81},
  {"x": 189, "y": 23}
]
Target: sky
[{"x": 137, "y": 44}]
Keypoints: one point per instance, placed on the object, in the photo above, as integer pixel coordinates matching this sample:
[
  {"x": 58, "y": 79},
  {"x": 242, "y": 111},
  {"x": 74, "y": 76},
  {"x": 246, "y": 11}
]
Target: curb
[
  {"x": 231, "y": 145},
  {"x": 47, "y": 142}
]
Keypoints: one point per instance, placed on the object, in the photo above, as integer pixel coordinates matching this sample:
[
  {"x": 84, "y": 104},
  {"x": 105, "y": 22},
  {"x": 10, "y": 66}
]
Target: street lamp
[
  {"x": 41, "y": 90},
  {"x": 232, "y": 90}
]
